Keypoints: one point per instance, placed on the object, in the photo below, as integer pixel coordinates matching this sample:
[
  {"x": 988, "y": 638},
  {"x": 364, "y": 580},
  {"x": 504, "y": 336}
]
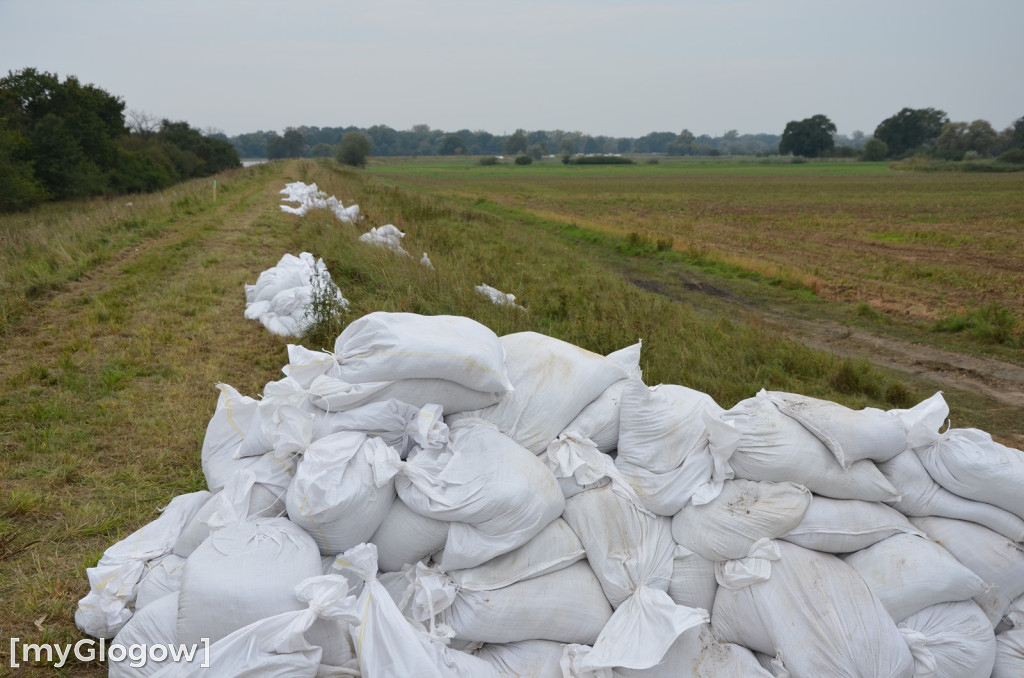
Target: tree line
[
  {"x": 909, "y": 132},
  {"x": 61, "y": 140}
]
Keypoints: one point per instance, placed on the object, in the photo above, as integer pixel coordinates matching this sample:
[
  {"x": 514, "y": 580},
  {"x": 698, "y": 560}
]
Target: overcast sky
[{"x": 602, "y": 67}]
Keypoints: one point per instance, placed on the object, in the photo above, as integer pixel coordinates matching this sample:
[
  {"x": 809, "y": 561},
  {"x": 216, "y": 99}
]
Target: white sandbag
[
  {"x": 150, "y": 627},
  {"x": 952, "y": 640},
  {"x": 778, "y": 448},
  {"x": 553, "y": 381},
  {"x": 241, "y": 497},
  {"x": 554, "y": 548},
  {"x": 497, "y": 296},
  {"x": 599, "y": 421},
  {"x": 114, "y": 581},
  {"x": 343, "y": 489},
  {"x": 847, "y": 525},
  {"x": 399, "y": 425},
  {"x": 909, "y": 573},
  {"x": 673, "y": 445},
  {"x": 693, "y": 581},
  {"x": 224, "y": 434},
  {"x": 290, "y": 271},
  {"x": 284, "y": 421},
  {"x": 528, "y": 658},
  {"x": 406, "y": 537},
  {"x": 310, "y": 197},
  {"x": 305, "y": 365},
  {"x": 998, "y": 561},
  {"x": 631, "y": 552},
  {"x": 387, "y": 236},
  {"x": 626, "y": 545},
  {"x": 566, "y": 606},
  {"x": 1009, "y": 661},
  {"x": 242, "y": 573},
  {"x": 379, "y": 627},
  {"x": 161, "y": 577},
  {"x": 819, "y": 615},
  {"x": 968, "y": 463},
  {"x": 726, "y": 527},
  {"x": 497, "y": 494},
  {"x": 577, "y": 464},
  {"x": 276, "y": 645},
  {"x": 851, "y": 435},
  {"x": 699, "y": 654},
  {"x": 922, "y": 496},
  {"x": 390, "y": 346},
  {"x": 333, "y": 394}
]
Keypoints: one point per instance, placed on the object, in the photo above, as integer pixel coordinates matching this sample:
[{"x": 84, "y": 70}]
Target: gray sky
[{"x": 618, "y": 68}]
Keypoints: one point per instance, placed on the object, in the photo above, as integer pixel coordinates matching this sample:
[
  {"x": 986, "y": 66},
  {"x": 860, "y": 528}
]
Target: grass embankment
[{"x": 120, "y": 320}]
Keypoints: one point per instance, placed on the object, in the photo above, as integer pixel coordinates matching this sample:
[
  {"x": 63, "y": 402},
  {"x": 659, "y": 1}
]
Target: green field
[{"x": 118, "y": 319}]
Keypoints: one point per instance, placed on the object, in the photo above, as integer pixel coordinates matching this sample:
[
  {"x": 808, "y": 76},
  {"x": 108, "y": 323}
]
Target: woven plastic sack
[
  {"x": 114, "y": 581},
  {"x": 851, "y": 435},
  {"x": 909, "y": 573},
  {"x": 951, "y": 639},
  {"x": 276, "y": 645},
  {"x": 390, "y": 346},
  {"x": 406, "y": 537},
  {"x": 553, "y": 381},
  {"x": 847, "y": 525},
  {"x": 242, "y": 573},
  {"x": 497, "y": 494},
  {"x": 152, "y": 626},
  {"x": 819, "y": 615},
  {"x": 776, "y": 447},
  {"x": 998, "y": 561},
  {"x": 343, "y": 489},
  {"x": 673, "y": 445},
  {"x": 726, "y": 527},
  {"x": 922, "y": 496}
]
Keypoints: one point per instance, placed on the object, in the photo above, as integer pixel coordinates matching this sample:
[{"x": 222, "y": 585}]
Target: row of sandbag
[{"x": 650, "y": 524}]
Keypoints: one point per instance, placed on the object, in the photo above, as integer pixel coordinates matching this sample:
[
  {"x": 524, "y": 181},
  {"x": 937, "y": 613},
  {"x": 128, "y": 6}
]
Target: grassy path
[{"x": 107, "y": 384}]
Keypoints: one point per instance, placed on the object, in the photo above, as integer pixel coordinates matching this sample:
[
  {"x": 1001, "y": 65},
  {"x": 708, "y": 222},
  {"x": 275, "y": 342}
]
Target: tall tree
[
  {"x": 517, "y": 143},
  {"x": 911, "y": 129},
  {"x": 354, "y": 149},
  {"x": 810, "y": 137}
]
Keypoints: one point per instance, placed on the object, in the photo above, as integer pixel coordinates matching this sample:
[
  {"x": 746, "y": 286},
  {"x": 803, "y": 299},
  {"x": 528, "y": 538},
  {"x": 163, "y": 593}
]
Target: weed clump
[
  {"x": 325, "y": 313},
  {"x": 992, "y": 324}
]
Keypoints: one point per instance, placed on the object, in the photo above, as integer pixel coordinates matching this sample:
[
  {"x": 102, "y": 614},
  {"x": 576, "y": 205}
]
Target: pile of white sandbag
[
  {"x": 389, "y": 237},
  {"x": 310, "y": 197},
  {"x": 430, "y": 499},
  {"x": 283, "y": 296}
]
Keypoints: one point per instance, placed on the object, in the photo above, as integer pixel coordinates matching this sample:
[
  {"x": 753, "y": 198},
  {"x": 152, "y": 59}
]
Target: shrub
[
  {"x": 523, "y": 160},
  {"x": 991, "y": 323},
  {"x": 875, "y": 150},
  {"x": 1013, "y": 156},
  {"x": 601, "y": 160},
  {"x": 489, "y": 160}
]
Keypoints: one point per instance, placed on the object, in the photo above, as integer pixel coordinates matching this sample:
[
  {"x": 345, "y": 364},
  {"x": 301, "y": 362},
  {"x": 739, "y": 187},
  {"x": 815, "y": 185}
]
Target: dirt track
[{"x": 997, "y": 381}]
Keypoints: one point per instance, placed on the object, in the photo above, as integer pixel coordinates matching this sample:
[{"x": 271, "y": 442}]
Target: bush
[
  {"x": 1013, "y": 156},
  {"x": 523, "y": 160},
  {"x": 875, "y": 150},
  {"x": 601, "y": 160},
  {"x": 353, "y": 149},
  {"x": 489, "y": 160}
]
